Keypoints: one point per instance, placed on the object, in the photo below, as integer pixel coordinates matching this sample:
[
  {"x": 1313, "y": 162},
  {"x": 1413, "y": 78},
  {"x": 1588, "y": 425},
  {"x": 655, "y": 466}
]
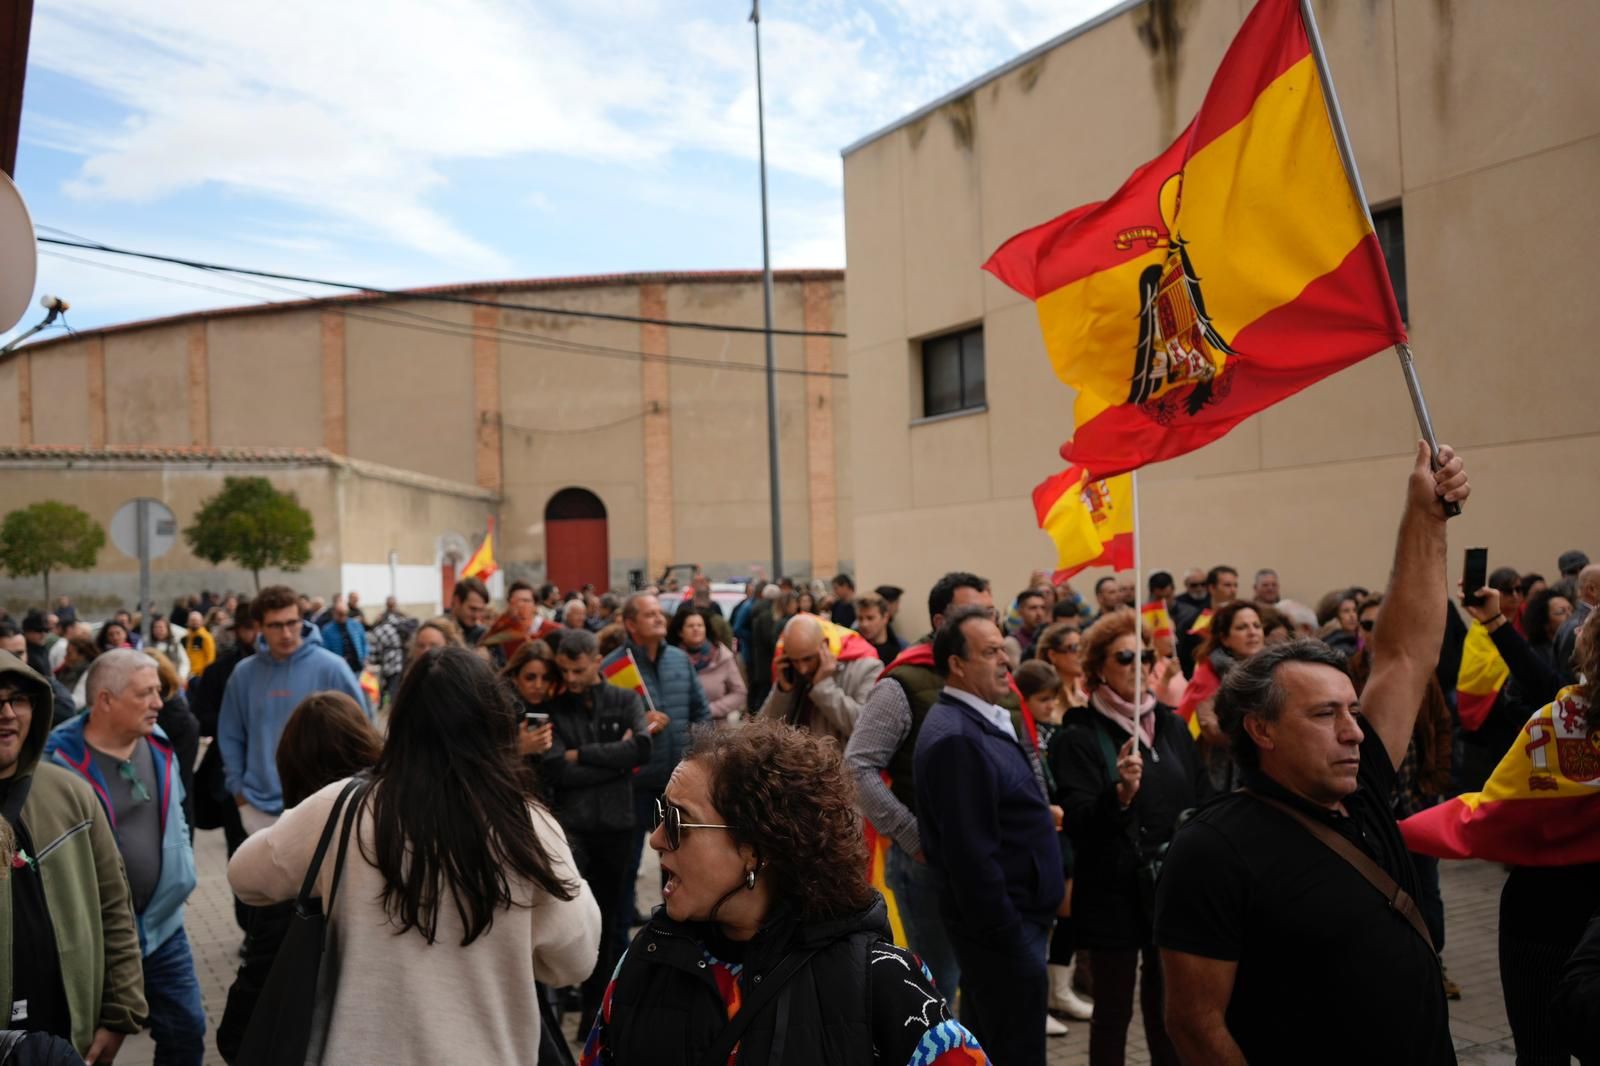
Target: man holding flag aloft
[{"x": 1304, "y": 862}]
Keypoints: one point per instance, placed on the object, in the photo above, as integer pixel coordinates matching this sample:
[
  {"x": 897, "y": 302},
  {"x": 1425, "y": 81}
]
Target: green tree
[
  {"x": 49, "y": 535},
  {"x": 253, "y": 524}
]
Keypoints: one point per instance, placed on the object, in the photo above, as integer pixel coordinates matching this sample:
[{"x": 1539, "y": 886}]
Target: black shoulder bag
[{"x": 279, "y": 1032}]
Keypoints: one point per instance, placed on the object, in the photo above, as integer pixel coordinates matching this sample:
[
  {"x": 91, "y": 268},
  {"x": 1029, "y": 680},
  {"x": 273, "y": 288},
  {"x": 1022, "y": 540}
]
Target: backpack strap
[
  {"x": 1363, "y": 863},
  {"x": 766, "y": 989}
]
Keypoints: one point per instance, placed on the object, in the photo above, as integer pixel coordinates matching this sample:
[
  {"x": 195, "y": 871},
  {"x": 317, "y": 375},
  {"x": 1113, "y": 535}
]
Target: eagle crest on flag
[{"x": 1178, "y": 347}]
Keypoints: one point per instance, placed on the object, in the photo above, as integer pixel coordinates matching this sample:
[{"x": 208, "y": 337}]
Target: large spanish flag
[
  {"x": 1540, "y": 807},
  {"x": 1226, "y": 274},
  {"x": 1090, "y": 520},
  {"x": 1483, "y": 674}
]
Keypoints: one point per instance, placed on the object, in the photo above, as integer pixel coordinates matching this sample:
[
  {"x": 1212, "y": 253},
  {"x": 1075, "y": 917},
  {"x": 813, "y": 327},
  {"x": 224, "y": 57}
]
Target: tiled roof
[
  {"x": 168, "y": 454},
  {"x": 523, "y": 285}
]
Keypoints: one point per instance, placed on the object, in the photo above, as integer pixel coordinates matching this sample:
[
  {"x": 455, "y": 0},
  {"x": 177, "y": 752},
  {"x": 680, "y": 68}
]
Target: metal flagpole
[
  {"x": 774, "y": 486},
  {"x": 1341, "y": 135},
  {"x": 1138, "y": 610}
]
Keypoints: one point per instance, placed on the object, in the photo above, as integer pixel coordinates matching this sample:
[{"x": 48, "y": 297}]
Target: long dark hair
[
  {"x": 326, "y": 739},
  {"x": 449, "y": 809}
]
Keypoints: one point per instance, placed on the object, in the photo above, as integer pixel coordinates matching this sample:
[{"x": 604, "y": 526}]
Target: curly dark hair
[
  {"x": 1536, "y": 616},
  {"x": 1222, "y": 623},
  {"x": 787, "y": 794}
]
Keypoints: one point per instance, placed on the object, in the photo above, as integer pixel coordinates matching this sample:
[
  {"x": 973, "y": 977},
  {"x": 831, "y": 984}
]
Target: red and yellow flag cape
[
  {"x": 1483, "y": 674},
  {"x": 1089, "y": 519},
  {"x": 846, "y": 645},
  {"x": 1540, "y": 807},
  {"x": 1226, "y": 274}
]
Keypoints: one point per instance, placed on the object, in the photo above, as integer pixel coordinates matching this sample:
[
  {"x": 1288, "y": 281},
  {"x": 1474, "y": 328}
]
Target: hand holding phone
[{"x": 1474, "y": 576}]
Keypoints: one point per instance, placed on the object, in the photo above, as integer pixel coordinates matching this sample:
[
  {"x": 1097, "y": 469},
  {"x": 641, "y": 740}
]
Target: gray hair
[
  {"x": 577, "y": 642},
  {"x": 1265, "y": 571},
  {"x": 1252, "y": 687},
  {"x": 111, "y": 671}
]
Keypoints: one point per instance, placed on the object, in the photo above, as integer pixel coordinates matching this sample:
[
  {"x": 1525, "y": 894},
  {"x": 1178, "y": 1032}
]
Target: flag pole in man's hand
[{"x": 1341, "y": 133}]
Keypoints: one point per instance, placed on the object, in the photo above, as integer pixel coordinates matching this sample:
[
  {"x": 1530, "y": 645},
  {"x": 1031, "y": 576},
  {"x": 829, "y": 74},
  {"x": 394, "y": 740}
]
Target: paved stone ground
[{"x": 1471, "y": 894}]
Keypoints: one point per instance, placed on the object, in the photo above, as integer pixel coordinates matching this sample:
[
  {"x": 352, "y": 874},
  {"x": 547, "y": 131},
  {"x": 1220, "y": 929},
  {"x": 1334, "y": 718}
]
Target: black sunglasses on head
[
  {"x": 1369, "y": 624},
  {"x": 1126, "y": 658},
  {"x": 672, "y": 818}
]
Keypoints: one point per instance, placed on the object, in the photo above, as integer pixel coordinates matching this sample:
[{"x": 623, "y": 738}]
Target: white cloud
[{"x": 351, "y": 114}]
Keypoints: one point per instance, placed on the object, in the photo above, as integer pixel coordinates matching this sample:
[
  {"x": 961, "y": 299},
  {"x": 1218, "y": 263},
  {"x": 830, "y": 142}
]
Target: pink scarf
[{"x": 1121, "y": 711}]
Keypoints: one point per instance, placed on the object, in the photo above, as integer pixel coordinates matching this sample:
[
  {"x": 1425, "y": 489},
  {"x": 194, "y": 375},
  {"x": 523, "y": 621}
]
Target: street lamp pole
[{"x": 773, "y": 480}]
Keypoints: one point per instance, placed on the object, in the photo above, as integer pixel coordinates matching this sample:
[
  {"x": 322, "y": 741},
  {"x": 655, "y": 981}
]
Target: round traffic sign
[{"x": 161, "y": 527}]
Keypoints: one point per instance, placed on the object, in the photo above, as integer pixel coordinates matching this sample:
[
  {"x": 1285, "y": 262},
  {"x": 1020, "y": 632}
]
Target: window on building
[
  {"x": 1390, "y": 227},
  {"x": 952, "y": 373}
]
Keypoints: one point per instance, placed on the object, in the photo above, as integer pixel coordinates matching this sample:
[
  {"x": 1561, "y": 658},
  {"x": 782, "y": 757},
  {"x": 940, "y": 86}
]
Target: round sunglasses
[
  {"x": 672, "y": 817},
  {"x": 1126, "y": 657}
]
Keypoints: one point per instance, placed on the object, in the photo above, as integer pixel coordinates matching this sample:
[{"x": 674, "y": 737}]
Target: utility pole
[{"x": 773, "y": 479}]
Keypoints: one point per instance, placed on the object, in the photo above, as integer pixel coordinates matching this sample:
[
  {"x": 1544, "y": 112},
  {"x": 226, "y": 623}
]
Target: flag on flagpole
[
  {"x": 1541, "y": 805},
  {"x": 624, "y": 673},
  {"x": 1226, "y": 274},
  {"x": 1483, "y": 674},
  {"x": 482, "y": 564},
  {"x": 1090, "y": 520}
]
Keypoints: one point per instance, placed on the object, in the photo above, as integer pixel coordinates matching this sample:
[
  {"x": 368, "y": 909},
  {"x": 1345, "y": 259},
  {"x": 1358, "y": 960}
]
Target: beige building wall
[
  {"x": 362, "y": 513},
  {"x": 1487, "y": 134},
  {"x": 513, "y": 404}
]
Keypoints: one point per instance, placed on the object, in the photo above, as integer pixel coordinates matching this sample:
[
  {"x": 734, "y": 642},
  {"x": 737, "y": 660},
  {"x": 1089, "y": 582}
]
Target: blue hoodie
[
  {"x": 163, "y": 915},
  {"x": 261, "y": 695}
]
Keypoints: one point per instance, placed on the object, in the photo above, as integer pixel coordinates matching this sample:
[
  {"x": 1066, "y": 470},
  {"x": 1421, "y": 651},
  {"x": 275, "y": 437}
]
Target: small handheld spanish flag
[
  {"x": 482, "y": 564},
  {"x": 1541, "y": 805},
  {"x": 624, "y": 673},
  {"x": 1090, "y": 520}
]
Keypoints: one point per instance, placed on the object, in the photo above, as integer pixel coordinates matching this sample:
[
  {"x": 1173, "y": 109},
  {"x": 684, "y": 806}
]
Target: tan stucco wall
[
  {"x": 1488, "y": 133},
  {"x": 361, "y": 515},
  {"x": 529, "y": 405}
]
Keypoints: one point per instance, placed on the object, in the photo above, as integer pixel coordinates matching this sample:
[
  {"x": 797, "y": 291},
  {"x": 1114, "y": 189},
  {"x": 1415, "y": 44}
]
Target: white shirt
[{"x": 998, "y": 717}]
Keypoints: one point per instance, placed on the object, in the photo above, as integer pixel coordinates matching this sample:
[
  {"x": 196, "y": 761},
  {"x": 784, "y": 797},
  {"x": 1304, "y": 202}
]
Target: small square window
[
  {"x": 1389, "y": 224},
  {"x": 952, "y": 373}
]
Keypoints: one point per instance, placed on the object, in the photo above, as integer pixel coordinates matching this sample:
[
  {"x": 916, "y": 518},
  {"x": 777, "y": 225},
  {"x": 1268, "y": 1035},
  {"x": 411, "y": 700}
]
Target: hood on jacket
[
  {"x": 42, "y": 697},
  {"x": 310, "y": 636}
]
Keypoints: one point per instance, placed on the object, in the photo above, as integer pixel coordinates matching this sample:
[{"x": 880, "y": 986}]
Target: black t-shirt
[
  {"x": 843, "y": 613},
  {"x": 38, "y": 999},
  {"x": 1327, "y": 971}
]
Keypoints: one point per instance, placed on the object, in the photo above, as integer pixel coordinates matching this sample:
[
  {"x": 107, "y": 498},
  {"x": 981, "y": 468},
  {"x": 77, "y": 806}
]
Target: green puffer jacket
[{"x": 85, "y": 887}]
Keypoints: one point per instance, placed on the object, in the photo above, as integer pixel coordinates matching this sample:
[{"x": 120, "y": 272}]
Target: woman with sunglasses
[
  {"x": 1127, "y": 769},
  {"x": 769, "y": 937},
  {"x": 534, "y": 677}
]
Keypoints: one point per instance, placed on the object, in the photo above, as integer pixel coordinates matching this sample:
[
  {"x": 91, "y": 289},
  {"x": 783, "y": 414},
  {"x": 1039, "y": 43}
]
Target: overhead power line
[
  {"x": 471, "y": 301},
  {"x": 446, "y": 327}
]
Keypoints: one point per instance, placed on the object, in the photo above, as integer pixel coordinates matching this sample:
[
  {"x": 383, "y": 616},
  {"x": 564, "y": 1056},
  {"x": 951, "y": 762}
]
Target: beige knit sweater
[{"x": 398, "y": 999}]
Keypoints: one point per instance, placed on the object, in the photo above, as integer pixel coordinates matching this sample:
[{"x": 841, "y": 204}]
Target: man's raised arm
[{"x": 1411, "y": 626}]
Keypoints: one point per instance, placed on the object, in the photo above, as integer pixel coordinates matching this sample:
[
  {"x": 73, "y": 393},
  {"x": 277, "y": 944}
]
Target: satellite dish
[{"x": 19, "y": 255}]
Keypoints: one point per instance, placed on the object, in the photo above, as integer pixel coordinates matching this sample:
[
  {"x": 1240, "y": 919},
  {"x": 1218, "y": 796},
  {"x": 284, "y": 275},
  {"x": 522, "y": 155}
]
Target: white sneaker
[
  {"x": 1064, "y": 999},
  {"x": 1053, "y": 1027}
]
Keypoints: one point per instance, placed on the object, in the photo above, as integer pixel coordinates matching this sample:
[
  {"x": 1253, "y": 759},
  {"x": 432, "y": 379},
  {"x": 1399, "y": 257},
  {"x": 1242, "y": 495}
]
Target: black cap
[
  {"x": 1571, "y": 562},
  {"x": 891, "y": 593}
]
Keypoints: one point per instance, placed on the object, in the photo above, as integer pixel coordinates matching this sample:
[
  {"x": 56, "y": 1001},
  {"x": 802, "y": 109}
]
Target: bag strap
[
  {"x": 308, "y": 886},
  {"x": 768, "y": 989},
  {"x": 1363, "y": 863},
  {"x": 344, "y": 842}
]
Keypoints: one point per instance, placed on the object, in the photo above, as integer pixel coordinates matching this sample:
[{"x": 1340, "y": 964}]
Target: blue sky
[{"x": 402, "y": 142}]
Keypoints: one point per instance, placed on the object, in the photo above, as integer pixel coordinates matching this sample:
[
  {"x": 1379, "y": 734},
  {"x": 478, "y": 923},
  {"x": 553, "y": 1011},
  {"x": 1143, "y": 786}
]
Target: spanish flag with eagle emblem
[
  {"x": 1090, "y": 520},
  {"x": 1227, "y": 274}
]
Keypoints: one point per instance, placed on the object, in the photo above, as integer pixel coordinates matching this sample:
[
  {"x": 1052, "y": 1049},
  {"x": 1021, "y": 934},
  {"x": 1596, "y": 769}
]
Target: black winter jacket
[
  {"x": 1110, "y": 906},
  {"x": 595, "y": 794}
]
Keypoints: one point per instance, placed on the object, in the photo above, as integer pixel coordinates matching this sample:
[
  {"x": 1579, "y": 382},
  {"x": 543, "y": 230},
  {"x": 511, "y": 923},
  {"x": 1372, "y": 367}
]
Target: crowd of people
[{"x": 1075, "y": 804}]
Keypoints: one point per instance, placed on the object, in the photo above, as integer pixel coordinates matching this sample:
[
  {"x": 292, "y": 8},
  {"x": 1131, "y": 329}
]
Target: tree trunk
[
  {"x": 257, "y": 575},
  {"x": 47, "y": 590}
]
